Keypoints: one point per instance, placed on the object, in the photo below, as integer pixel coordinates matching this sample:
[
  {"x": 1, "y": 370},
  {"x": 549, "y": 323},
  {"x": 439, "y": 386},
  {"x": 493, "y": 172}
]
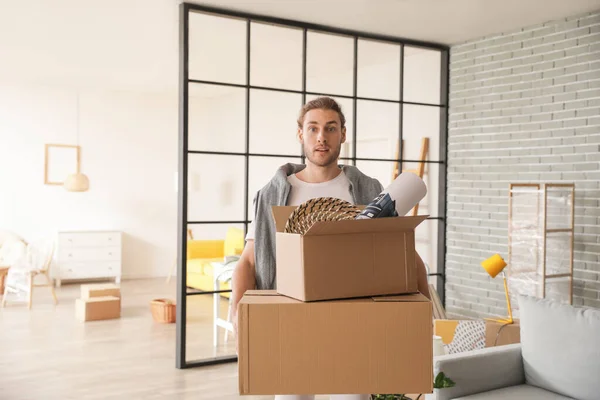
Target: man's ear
[
  {"x": 344, "y": 135},
  {"x": 300, "y": 136}
]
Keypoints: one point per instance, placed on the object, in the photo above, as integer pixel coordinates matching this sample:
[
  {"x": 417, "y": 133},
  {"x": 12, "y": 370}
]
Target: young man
[{"x": 321, "y": 130}]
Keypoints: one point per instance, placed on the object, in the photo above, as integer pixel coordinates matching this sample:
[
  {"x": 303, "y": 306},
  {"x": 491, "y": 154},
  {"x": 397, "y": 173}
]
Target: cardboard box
[
  {"x": 100, "y": 290},
  {"x": 471, "y": 334},
  {"x": 499, "y": 334},
  {"x": 346, "y": 259},
  {"x": 460, "y": 335},
  {"x": 365, "y": 346},
  {"x": 98, "y": 308}
]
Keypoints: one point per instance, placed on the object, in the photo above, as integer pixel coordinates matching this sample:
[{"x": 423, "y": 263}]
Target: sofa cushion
[
  {"x": 234, "y": 242},
  {"x": 205, "y": 249},
  {"x": 196, "y": 266},
  {"x": 521, "y": 392},
  {"x": 560, "y": 347}
]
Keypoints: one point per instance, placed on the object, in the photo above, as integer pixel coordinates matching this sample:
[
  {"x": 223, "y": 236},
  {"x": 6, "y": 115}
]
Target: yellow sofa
[{"x": 201, "y": 253}]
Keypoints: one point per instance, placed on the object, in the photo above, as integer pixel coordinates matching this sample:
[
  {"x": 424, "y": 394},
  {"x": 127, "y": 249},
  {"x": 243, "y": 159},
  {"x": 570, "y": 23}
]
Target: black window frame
[{"x": 183, "y": 152}]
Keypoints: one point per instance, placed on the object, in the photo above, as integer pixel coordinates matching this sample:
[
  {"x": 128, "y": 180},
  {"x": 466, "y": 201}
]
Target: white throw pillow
[{"x": 561, "y": 347}]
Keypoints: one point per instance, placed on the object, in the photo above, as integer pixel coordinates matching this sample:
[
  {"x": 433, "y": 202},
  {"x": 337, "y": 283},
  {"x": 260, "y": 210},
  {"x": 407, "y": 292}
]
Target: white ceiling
[
  {"x": 133, "y": 44},
  {"x": 441, "y": 21}
]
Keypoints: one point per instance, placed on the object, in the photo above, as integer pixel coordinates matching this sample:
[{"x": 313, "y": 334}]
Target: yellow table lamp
[{"x": 493, "y": 266}]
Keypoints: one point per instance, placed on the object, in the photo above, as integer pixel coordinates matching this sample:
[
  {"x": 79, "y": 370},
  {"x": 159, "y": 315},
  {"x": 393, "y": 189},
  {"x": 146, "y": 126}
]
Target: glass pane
[
  {"x": 348, "y": 111},
  {"x": 429, "y": 204},
  {"x": 262, "y": 170},
  {"x": 216, "y": 187},
  {"x": 380, "y": 170},
  {"x": 558, "y": 207},
  {"x": 200, "y": 325},
  {"x": 558, "y": 253},
  {"x": 525, "y": 260},
  {"x": 422, "y": 75},
  {"x": 217, "y": 48},
  {"x": 212, "y": 231},
  {"x": 273, "y": 122},
  {"x": 526, "y": 283},
  {"x": 432, "y": 280},
  {"x": 217, "y": 118},
  {"x": 329, "y": 64},
  {"x": 426, "y": 239},
  {"x": 275, "y": 57},
  {"x": 527, "y": 211},
  {"x": 419, "y": 122},
  {"x": 378, "y": 71},
  {"x": 207, "y": 244},
  {"x": 559, "y": 289},
  {"x": 377, "y": 129}
]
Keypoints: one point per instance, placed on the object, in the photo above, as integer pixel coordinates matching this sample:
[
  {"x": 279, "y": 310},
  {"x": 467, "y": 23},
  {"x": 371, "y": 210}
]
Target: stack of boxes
[
  {"x": 346, "y": 317},
  {"x": 98, "y": 302}
]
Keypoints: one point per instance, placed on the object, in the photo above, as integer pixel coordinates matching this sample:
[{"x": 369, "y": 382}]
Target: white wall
[
  {"x": 129, "y": 158},
  {"x": 121, "y": 57}
]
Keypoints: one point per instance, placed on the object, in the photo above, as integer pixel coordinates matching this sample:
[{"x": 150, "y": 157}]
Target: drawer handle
[{"x": 70, "y": 255}]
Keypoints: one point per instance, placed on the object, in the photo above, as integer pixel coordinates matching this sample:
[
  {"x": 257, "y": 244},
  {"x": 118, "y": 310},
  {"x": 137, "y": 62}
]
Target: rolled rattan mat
[{"x": 319, "y": 209}]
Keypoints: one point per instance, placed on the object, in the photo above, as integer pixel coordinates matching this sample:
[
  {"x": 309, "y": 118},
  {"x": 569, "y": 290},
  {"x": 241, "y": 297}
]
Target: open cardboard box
[
  {"x": 490, "y": 334},
  {"x": 346, "y": 259},
  {"x": 365, "y": 346}
]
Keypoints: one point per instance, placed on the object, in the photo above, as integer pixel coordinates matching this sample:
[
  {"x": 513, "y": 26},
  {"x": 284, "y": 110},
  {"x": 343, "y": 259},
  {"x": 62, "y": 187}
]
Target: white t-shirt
[{"x": 338, "y": 187}]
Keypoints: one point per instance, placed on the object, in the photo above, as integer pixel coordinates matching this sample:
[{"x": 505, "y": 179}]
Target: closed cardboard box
[
  {"x": 100, "y": 290},
  {"x": 365, "y": 346},
  {"x": 346, "y": 259},
  {"x": 98, "y": 308}
]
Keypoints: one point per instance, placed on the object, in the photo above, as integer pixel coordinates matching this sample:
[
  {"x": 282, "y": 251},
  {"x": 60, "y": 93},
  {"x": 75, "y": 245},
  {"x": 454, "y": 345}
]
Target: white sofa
[{"x": 558, "y": 358}]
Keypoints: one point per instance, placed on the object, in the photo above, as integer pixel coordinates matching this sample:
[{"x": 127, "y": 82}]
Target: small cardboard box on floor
[
  {"x": 98, "y": 302},
  {"x": 364, "y": 346},
  {"x": 346, "y": 259}
]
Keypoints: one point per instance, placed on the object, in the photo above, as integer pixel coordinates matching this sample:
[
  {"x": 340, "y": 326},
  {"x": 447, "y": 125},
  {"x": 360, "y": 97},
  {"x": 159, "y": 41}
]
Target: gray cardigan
[{"x": 275, "y": 193}]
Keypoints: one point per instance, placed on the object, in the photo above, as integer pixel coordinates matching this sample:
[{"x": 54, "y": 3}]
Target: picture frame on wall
[{"x": 60, "y": 161}]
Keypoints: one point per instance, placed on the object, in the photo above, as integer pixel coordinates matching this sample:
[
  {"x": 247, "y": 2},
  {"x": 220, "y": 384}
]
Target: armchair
[
  {"x": 201, "y": 254},
  {"x": 22, "y": 274}
]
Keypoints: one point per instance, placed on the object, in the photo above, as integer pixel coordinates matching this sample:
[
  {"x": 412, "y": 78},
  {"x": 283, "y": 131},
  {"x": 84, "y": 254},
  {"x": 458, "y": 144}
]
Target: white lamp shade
[{"x": 77, "y": 183}]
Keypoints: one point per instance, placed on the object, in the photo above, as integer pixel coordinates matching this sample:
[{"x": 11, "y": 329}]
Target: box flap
[
  {"x": 281, "y": 215},
  {"x": 266, "y": 297},
  {"x": 415, "y": 297},
  {"x": 389, "y": 224}
]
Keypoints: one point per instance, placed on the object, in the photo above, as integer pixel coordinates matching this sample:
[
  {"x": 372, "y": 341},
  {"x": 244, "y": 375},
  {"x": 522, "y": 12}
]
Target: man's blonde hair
[{"x": 321, "y": 103}]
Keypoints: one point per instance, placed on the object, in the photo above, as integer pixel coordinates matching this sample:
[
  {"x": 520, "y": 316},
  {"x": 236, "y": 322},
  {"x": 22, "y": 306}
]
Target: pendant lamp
[{"x": 77, "y": 182}]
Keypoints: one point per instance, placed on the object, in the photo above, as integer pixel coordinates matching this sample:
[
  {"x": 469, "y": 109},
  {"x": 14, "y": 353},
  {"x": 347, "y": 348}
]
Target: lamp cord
[{"x": 498, "y": 334}]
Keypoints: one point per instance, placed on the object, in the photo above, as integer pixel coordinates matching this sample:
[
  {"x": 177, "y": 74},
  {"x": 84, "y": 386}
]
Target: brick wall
[{"x": 524, "y": 107}]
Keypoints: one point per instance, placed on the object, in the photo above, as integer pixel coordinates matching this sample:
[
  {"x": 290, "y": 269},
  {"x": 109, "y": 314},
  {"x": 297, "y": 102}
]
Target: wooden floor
[{"x": 45, "y": 353}]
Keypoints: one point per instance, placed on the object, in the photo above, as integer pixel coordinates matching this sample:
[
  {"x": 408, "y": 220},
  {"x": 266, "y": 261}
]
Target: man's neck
[{"x": 315, "y": 174}]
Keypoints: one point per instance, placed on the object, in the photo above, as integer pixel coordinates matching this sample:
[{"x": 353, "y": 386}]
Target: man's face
[{"x": 322, "y": 136}]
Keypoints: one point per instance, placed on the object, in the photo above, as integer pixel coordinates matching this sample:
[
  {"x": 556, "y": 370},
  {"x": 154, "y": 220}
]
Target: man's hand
[{"x": 243, "y": 279}]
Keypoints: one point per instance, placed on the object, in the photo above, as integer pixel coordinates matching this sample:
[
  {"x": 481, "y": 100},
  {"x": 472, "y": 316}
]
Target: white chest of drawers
[{"x": 88, "y": 255}]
